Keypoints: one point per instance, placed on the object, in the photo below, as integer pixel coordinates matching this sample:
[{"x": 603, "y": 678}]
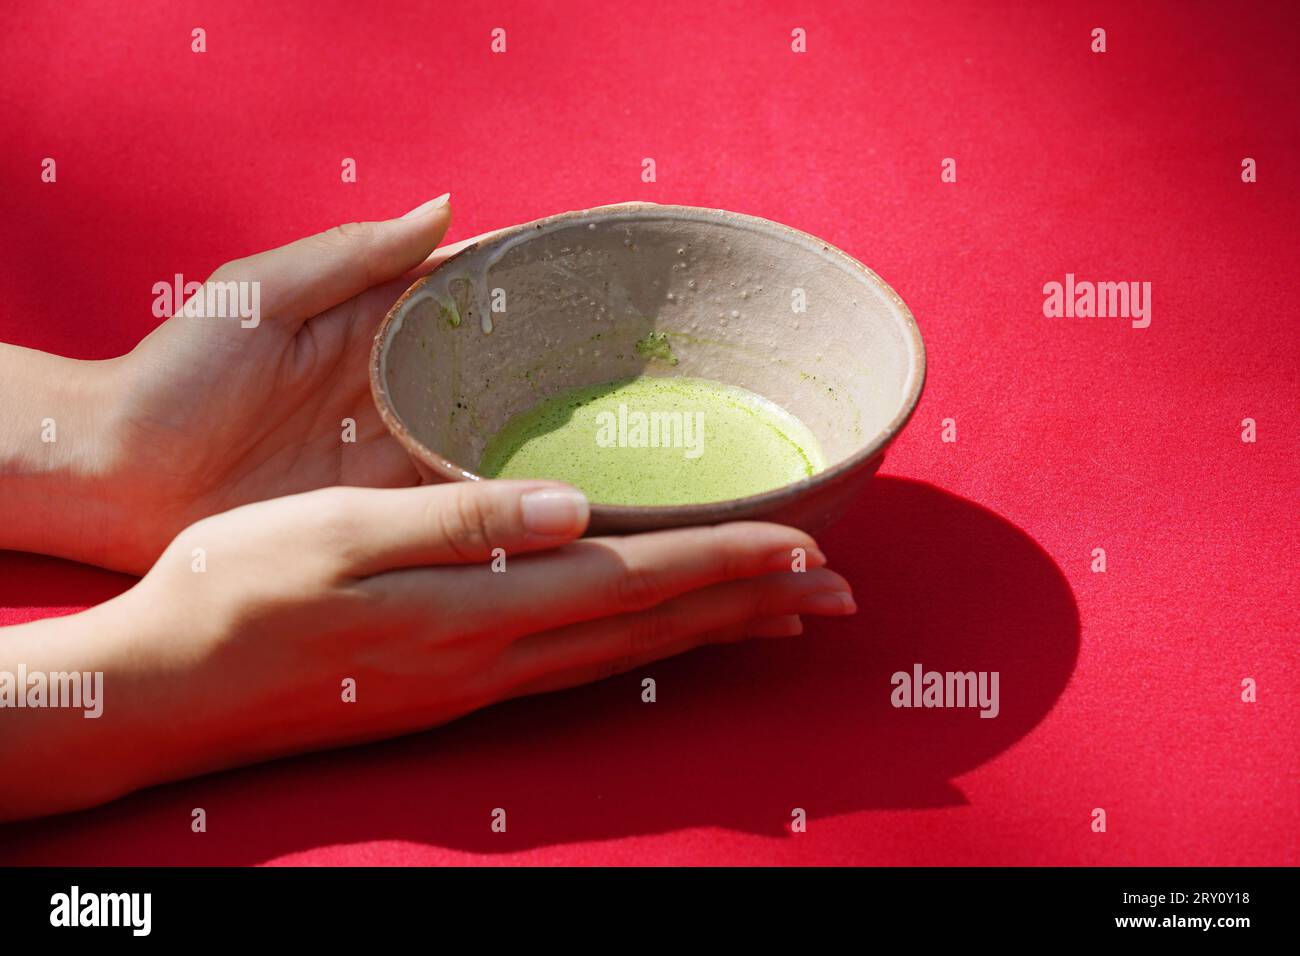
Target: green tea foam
[{"x": 656, "y": 441}]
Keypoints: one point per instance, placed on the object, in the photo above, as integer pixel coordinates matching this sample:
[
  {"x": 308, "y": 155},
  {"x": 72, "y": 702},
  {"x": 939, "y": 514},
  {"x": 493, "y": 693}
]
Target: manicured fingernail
[
  {"x": 827, "y": 602},
  {"x": 554, "y": 511},
  {"x": 796, "y": 559},
  {"x": 427, "y": 207},
  {"x": 785, "y": 626}
]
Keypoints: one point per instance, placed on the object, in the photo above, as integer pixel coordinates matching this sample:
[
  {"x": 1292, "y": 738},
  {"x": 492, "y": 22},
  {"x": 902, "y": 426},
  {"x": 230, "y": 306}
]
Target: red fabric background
[{"x": 1119, "y": 690}]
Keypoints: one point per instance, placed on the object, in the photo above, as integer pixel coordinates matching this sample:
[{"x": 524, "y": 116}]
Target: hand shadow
[{"x": 739, "y": 736}]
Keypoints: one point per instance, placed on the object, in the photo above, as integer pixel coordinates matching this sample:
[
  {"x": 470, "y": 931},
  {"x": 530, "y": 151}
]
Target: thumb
[
  {"x": 308, "y": 276},
  {"x": 460, "y": 522}
]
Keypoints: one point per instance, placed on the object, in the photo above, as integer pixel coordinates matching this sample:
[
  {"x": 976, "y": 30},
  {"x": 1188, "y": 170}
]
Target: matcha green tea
[{"x": 656, "y": 441}]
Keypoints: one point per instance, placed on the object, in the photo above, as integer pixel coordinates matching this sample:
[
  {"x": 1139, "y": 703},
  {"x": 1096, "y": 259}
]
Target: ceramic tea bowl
[{"x": 573, "y": 299}]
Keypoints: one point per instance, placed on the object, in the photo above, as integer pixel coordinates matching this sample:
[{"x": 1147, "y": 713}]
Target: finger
[
  {"x": 443, "y": 253},
  {"x": 602, "y": 576},
  {"x": 378, "y": 530},
  {"x": 375, "y": 302},
  {"x": 590, "y": 674},
  {"x": 782, "y": 625},
  {"x": 309, "y": 276},
  {"x": 709, "y": 609},
  {"x": 734, "y": 610}
]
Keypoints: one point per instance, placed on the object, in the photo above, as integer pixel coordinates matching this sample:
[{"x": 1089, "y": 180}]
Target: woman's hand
[
  {"x": 211, "y": 412},
  {"x": 243, "y": 641}
]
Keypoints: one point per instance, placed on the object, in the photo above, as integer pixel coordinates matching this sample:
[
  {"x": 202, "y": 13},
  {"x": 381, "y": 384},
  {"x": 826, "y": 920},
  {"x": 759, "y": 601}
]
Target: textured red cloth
[{"x": 1119, "y": 690}]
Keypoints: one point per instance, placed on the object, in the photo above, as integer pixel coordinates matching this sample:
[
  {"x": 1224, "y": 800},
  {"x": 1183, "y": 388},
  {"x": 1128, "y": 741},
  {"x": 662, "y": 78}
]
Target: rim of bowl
[{"x": 450, "y": 471}]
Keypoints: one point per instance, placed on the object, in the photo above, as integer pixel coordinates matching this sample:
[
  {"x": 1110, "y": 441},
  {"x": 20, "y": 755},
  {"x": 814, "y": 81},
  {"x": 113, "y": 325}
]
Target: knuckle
[
  {"x": 466, "y": 526},
  {"x": 647, "y": 633},
  {"x": 331, "y": 507},
  {"x": 348, "y": 232},
  {"x": 637, "y": 588},
  {"x": 333, "y": 514},
  {"x": 730, "y": 552},
  {"x": 198, "y": 536},
  {"x": 357, "y": 242},
  {"x": 236, "y": 270}
]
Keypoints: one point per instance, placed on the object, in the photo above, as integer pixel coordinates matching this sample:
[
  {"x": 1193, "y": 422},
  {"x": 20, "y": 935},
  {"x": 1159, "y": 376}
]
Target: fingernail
[
  {"x": 428, "y": 207},
  {"x": 828, "y": 602},
  {"x": 554, "y": 511},
  {"x": 787, "y": 625}
]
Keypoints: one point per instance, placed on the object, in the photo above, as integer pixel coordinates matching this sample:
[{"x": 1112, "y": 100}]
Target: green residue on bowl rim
[
  {"x": 655, "y": 346},
  {"x": 449, "y": 314}
]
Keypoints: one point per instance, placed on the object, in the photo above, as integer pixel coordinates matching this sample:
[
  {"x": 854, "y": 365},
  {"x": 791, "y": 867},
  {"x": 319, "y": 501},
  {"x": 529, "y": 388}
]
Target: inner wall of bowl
[{"x": 575, "y": 303}]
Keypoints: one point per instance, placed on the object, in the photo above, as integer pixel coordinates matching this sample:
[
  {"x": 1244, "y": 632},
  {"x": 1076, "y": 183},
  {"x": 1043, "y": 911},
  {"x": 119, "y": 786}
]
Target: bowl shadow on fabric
[{"x": 739, "y": 736}]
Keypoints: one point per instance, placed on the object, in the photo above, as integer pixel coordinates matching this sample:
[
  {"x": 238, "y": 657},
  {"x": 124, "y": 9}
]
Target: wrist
[
  {"x": 84, "y": 749},
  {"x": 53, "y": 495},
  {"x": 172, "y": 695}
]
